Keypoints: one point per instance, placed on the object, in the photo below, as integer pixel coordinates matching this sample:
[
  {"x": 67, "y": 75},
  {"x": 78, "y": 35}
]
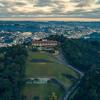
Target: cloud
[
  {"x": 42, "y": 3},
  {"x": 2, "y": 5},
  {"x": 49, "y": 8}
]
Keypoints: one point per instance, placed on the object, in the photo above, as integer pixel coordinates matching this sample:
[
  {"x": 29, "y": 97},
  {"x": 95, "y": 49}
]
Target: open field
[
  {"x": 50, "y": 69},
  {"x": 42, "y": 91}
]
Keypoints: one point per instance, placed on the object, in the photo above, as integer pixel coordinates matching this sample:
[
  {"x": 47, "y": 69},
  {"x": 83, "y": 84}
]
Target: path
[{"x": 62, "y": 60}]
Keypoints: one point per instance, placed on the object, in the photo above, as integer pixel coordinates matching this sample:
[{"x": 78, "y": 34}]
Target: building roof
[{"x": 47, "y": 42}]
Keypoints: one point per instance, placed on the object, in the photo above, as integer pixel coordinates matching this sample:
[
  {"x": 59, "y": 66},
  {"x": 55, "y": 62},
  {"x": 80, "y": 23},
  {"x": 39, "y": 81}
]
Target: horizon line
[{"x": 50, "y": 19}]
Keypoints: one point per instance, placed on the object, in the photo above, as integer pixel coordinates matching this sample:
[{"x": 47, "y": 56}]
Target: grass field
[
  {"x": 42, "y": 91},
  {"x": 50, "y": 69}
]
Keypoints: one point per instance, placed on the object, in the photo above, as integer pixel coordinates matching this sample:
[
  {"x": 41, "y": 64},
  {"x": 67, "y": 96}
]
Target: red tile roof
[{"x": 45, "y": 43}]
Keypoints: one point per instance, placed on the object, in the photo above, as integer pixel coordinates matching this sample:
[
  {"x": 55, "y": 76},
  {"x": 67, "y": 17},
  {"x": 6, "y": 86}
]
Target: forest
[
  {"x": 85, "y": 56},
  {"x": 89, "y": 88},
  {"x": 82, "y": 54},
  {"x": 12, "y": 67}
]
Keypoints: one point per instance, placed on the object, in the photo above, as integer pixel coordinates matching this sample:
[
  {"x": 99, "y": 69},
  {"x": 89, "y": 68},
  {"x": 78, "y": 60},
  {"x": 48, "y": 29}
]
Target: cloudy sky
[{"x": 50, "y": 8}]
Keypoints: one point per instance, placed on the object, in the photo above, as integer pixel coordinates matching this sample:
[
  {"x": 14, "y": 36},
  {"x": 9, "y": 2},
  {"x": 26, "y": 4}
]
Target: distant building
[
  {"x": 26, "y": 34},
  {"x": 44, "y": 43},
  {"x": 36, "y": 37}
]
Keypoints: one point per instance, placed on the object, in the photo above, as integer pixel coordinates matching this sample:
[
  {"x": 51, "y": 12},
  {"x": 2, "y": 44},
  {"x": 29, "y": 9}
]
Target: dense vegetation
[
  {"x": 89, "y": 88},
  {"x": 84, "y": 55},
  {"x": 12, "y": 61}
]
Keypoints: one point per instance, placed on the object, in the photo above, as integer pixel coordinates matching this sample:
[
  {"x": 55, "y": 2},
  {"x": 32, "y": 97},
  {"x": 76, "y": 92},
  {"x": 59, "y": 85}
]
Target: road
[{"x": 62, "y": 60}]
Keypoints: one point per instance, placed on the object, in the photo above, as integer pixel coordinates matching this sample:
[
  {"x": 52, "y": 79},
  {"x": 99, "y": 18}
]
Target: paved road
[
  {"x": 68, "y": 93},
  {"x": 62, "y": 60}
]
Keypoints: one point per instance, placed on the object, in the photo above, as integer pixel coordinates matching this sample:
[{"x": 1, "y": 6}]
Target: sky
[{"x": 50, "y": 9}]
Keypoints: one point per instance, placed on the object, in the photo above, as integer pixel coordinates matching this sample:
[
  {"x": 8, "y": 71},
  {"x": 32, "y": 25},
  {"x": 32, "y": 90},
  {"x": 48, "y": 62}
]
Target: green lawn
[
  {"x": 42, "y": 91},
  {"x": 50, "y": 69}
]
